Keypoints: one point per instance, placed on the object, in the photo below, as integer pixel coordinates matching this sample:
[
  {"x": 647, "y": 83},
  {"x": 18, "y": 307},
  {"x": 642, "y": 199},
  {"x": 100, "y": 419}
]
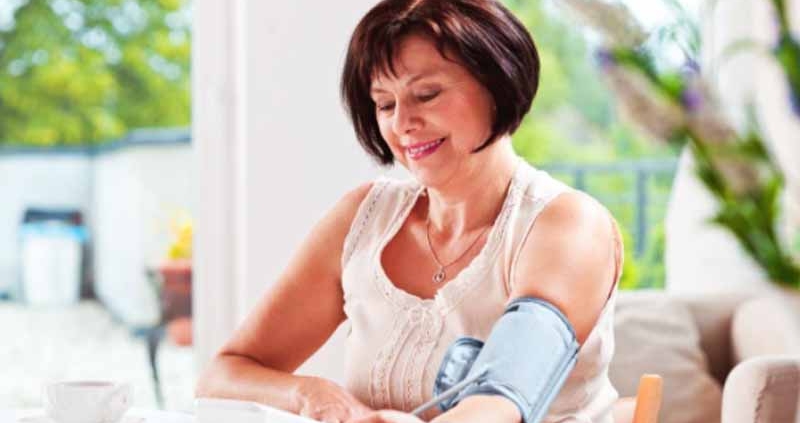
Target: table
[
  {"x": 149, "y": 416},
  {"x": 85, "y": 341}
]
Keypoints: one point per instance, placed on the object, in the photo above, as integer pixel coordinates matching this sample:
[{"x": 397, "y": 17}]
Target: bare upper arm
[
  {"x": 305, "y": 306},
  {"x": 569, "y": 259}
]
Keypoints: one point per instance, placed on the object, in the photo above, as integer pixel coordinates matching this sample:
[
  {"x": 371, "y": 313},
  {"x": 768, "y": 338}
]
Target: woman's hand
[
  {"x": 323, "y": 400},
  {"x": 387, "y": 416}
]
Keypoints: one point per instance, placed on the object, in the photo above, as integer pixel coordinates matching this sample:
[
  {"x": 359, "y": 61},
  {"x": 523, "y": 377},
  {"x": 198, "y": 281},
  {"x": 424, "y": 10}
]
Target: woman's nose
[{"x": 406, "y": 119}]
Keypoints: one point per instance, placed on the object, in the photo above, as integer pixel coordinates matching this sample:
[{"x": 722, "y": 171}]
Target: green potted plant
[{"x": 676, "y": 106}]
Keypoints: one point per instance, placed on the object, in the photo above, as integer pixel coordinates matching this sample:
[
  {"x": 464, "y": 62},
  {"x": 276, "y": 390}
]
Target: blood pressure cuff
[{"x": 529, "y": 354}]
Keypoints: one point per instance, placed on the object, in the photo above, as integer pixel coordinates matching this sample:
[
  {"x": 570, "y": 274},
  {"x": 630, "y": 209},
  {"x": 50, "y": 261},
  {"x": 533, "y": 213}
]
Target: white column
[
  {"x": 275, "y": 150},
  {"x": 701, "y": 257},
  {"x": 219, "y": 145}
]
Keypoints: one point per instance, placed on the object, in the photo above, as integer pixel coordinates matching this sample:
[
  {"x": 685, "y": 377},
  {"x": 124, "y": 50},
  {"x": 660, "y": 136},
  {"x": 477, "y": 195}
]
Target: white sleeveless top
[{"x": 397, "y": 340}]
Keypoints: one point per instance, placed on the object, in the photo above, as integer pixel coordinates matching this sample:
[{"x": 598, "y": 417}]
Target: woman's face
[{"x": 433, "y": 113}]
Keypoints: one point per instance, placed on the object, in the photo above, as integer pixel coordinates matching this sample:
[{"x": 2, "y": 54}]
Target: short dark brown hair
[{"x": 484, "y": 36}]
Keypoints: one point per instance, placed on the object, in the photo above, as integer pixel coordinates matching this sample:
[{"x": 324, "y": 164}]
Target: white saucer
[{"x": 46, "y": 419}]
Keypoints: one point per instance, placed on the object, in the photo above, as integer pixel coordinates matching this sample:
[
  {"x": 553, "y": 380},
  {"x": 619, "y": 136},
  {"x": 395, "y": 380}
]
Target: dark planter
[{"x": 176, "y": 298}]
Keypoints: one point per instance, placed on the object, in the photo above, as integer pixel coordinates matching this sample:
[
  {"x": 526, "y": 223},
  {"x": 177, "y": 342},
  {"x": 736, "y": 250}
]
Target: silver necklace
[{"x": 440, "y": 274}]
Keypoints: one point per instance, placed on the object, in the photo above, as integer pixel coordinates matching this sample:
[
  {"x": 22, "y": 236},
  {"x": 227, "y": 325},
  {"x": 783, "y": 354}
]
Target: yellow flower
[{"x": 181, "y": 230}]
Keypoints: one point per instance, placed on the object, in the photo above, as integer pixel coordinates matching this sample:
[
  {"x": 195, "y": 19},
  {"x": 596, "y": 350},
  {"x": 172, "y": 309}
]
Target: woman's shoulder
[
  {"x": 382, "y": 186},
  {"x": 355, "y": 196},
  {"x": 537, "y": 184},
  {"x": 572, "y": 221},
  {"x": 575, "y": 210},
  {"x": 560, "y": 204}
]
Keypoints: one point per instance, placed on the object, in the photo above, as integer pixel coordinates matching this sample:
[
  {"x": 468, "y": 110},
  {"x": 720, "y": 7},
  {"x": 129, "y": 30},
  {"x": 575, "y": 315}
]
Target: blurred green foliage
[
  {"x": 573, "y": 120},
  {"x": 75, "y": 72}
]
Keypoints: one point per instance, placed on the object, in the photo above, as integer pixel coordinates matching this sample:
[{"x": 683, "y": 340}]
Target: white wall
[
  {"x": 266, "y": 83},
  {"x": 136, "y": 191},
  {"x": 701, "y": 257},
  {"x": 37, "y": 180},
  {"x": 127, "y": 196}
]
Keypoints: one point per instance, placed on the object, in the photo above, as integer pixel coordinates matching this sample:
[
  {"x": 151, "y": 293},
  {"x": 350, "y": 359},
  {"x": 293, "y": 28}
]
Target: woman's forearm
[
  {"x": 238, "y": 377},
  {"x": 481, "y": 409}
]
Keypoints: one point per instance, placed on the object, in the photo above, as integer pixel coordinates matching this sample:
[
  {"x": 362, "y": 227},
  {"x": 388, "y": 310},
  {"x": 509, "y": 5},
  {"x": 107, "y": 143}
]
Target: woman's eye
[
  {"x": 428, "y": 96},
  {"x": 385, "y": 107}
]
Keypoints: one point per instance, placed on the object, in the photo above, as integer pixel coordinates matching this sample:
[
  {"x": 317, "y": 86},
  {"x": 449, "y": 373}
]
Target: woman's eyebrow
[
  {"x": 419, "y": 76},
  {"x": 411, "y": 80}
]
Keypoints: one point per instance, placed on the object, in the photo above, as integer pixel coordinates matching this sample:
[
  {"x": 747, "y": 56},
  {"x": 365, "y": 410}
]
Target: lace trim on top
[
  {"x": 449, "y": 295},
  {"x": 420, "y": 333},
  {"x": 363, "y": 214}
]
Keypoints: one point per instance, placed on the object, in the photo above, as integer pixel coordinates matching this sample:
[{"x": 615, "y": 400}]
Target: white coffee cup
[{"x": 87, "y": 401}]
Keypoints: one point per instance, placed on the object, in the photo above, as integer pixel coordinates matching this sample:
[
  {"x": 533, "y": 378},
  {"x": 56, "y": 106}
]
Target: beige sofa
[{"x": 730, "y": 358}]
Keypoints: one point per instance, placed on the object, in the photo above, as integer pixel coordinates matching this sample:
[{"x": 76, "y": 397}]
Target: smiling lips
[{"x": 418, "y": 151}]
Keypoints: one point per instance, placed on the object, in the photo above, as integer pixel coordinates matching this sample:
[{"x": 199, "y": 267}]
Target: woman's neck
[{"x": 472, "y": 202}]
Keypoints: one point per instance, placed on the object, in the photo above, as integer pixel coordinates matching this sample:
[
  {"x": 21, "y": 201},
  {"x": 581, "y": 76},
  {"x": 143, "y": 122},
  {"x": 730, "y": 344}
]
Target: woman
[{"x": 437, "y": 86}]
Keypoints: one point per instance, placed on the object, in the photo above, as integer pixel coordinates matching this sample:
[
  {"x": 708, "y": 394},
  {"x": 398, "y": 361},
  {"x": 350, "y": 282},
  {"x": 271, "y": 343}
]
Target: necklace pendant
[{"x": 439, "y": 276}]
